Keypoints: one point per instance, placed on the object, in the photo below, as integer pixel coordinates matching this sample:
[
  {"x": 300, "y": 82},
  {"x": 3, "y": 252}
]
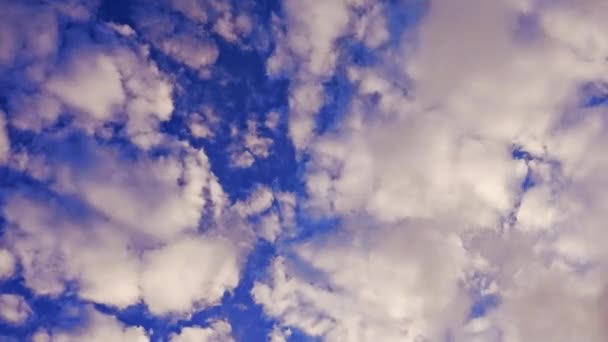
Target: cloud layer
[{"x": 343, "y": 170}]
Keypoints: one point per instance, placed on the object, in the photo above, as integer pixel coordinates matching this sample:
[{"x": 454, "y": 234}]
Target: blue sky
[{"x": 284, "y": 170}]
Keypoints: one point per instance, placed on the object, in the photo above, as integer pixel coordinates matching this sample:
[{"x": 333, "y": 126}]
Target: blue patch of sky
[
  {"x": 403, "y": 15},
  {"x": 518, "y": 153},
  {"x": 338, "y": 94},
  {"x": 594, "y": 94},
  {"x": 118, "y": 11},
  {"x": 483, "y": 305}
]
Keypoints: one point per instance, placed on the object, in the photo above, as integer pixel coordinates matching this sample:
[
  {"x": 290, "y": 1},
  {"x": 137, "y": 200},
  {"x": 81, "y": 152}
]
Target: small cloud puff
[
  {"x": 218, "y": 331},
  {"x": 251, "y": 147},
  {"x": 13, "y": 309}
]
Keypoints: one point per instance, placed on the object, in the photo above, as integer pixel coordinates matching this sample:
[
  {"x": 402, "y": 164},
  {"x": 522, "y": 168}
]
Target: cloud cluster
[
  {"x": 114, "y": 209},
  {"x": 125, "y": 230},
  {"x": 96, "y": 81},
  {"x": 475, "y": 167},
  {"x": 465, "y": 181},
  {"x": 307, "y": 47},
  {"x": 184, "y": 29}
]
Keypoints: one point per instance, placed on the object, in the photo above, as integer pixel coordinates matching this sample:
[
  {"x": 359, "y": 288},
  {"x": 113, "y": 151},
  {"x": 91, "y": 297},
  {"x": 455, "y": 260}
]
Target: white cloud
[
  {"x": 272, "y": 213},
  {"x": 190, "y": 50},
  {"x": 5, "y": 144},
  {"x": 35, "y": 112},
  {"x": 272, "y": 121},
  {"x": 372, "y": 29},
  {"x": 183, "y": 41},
  {"x": 122, "y": 29},
  {"x": 250, "y": 146},
  {"x": 190, "y": 273},
  {"x": 161, "y": 198},
  {"x": 91, "y": 84},
  {"x": 14, "y": 309},
  {"x": 193, "y": 9},
  {"x": 204, "y": 124},
  {"x": 420, "y": 173},
  {"x": 259, "y": 146},
  {"x": 553, "y": 306},
  {"x": 41, "y": 336},
  {"x": 175, "y": 278},
  {"x": 218, "y": 331},
  {"x": 7, "y": 263},
  {"x": 427, "y": 142},
  {"x": 115, "y": 86},
  {"x": 269, "y": 227},
  {"x": 97, "y": 256},
  {"x": 138, "y": 222},
  {"x": 308, "y": 49},
  {"x": 279, "y": 335},
  {"x": 312, "y": 29},
  {"x": 473, "y": 179},
  {"x": 371, "y": 283},
  {"x": 231, "y": 27},
  {"x": 100, "y": 328},
  {"x": 242, "y": 159},
  {"x": 259, "y": 200},
  {"x": 25, "y": 26}
]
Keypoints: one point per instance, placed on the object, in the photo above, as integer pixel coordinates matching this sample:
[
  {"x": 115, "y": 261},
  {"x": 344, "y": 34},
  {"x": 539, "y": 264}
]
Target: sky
[{"x": 319, "y": 170}]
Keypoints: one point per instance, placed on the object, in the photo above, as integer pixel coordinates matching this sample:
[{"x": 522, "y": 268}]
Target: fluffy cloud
[
  {"x": 157, "y": 197},
  {"x": 92, "y": 83},
  {"x": 204, "y": 124},
  {"x": 105, "y": 86},
  {"x": 228, "y": 21},
  {"x": 371, "y": 283},
  {"x": 7, "y": 263},
  {"x": 258, "y": 201},
  {"x": 117, "y": 226},
  {"x": 116, "y": 204},
  {"x": 31, "y": 41},
  {"x": 309, "y": 49},
  {"x": 466, "y": 164},
  {"x": 218, "y": 331},
  {"x": 411, "y": 182},
  {"x": 5, "y": 146},
  {"x": 98, "y": 328},
  {"x": 96, "y": 256},
  {"x": 279, "y": 335},
  {"x": 272, "y": 213},
  {"x": 431, "y": 139},
  {"x": 13, "y": 309},
  {"x": 252, "y": 146},
  {"x": 194, "y": 270},
  {"x": 181, "y": 40}
]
